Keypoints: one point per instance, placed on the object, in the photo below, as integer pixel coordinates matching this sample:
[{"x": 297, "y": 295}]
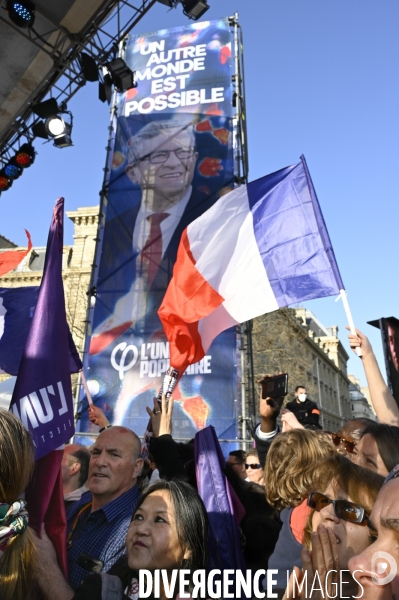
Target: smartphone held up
[{"x": 275, "y": 387}]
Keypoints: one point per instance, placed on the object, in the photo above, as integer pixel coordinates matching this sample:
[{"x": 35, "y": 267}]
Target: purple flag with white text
[{"x": 42, "y": 397}]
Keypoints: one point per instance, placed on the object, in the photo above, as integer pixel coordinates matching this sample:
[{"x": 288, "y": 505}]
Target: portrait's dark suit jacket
[{"x": 119, "y": 261}]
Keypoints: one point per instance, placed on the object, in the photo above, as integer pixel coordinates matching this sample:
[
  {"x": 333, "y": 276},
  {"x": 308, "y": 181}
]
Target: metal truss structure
[
  {"x": 247, "y": 383},
  {"x": 100, "y": 39}
]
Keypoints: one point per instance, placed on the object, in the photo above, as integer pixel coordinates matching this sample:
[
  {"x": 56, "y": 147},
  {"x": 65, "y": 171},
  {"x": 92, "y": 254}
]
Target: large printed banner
[{"x": 173, "y": 158}]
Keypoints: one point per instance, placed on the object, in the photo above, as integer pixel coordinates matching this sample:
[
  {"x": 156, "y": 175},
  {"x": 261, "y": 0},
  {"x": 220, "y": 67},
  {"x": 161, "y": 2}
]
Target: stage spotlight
[
  {"x": 55, "y": 126},
  {"x": 46, "y": 109},
  {"x": 60, "y": 131},
  {"x": 194, "y": 9},
  {"x": 89, "y": 67},
  {"x": 25, "y": 156},
  {"x": 105, "y": 88},
  {"x": 121, "y": 75},
  {"x": 39, "y": 130},
  {"x": 170, "y": 3},
  {"x": 5, "y": 181},
  {"x": 12, "y": 171},
  {"x": 21, "y": 12}
]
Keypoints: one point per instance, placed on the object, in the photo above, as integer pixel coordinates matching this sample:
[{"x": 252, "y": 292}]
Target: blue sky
[{"x": 321, "y": 79}]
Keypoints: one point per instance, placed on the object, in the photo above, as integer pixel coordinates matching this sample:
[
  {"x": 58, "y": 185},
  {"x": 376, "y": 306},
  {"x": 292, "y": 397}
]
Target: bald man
[
  {"x": 74, "y": 471},
  {"x": 98, "y": 522}
]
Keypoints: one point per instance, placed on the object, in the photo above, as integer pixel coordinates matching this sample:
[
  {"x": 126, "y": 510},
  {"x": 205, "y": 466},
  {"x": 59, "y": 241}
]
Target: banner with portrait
[{"x": 172, "y": 160}]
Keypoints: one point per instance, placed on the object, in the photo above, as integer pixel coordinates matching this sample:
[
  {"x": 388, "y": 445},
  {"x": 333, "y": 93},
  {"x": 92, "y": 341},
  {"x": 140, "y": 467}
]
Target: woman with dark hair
[
  {"x": 169, "y": 530},
  {"x": 378, "y": 449}
]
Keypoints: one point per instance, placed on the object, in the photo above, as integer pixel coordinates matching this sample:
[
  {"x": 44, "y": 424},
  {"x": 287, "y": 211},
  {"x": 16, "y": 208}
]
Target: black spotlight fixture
[
  {"x": 39, "y": 130},
  {"x": 89, "y": 67},
  {"x": 105, "y": 87},
  {"x": 5, "y": 181},
  {"x": 21, "y": 12},
  {"x": 170, "y": 3},
  {"x": 25, "y": 156},
  {"x": 194, "y": 9},
  {"x": 12, "y": 171},
  {"x": 56, "y": 126},
  {"x": 122, "y": 77},
  {"x": 46, "y": 109},
  {"x": 22, "y": 159},
  {"x": 60, "y": 130}
]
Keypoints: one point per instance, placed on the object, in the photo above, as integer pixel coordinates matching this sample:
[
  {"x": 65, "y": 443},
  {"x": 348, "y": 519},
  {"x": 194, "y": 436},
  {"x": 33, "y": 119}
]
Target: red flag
[
  {"x": 11, "y": 258},
  {"x": 45, "y": 500}
]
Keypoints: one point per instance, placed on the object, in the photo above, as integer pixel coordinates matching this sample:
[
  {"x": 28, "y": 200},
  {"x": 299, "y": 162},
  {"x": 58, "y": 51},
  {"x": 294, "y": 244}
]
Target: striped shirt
[{"x": 101, "y": 533}]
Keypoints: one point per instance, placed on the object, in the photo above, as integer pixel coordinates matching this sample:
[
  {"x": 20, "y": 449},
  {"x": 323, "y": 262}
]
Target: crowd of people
[{"x": 317, "y": 509}]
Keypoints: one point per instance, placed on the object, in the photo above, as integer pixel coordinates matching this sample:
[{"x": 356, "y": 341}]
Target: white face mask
[{"x": 302, "y": 397}]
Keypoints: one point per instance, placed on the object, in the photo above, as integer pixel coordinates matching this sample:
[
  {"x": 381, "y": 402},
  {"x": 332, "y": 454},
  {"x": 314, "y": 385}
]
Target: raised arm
[
  {"x": 382, "y": 400},
  {"x": 269, "y": 410},
  {"x": 162, "y": 445}
]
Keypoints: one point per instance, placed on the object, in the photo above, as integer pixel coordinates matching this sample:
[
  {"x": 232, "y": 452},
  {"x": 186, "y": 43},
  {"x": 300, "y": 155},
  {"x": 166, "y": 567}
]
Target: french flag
[{"x": 261, "y": 247}]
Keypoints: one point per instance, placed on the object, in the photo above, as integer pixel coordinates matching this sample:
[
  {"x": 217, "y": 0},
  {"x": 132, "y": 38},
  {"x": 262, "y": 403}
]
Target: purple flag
[
  {"x": 17, "y": 307},
  {"x": 42, "y": 397},
  {"x": 221, "y": 502}
]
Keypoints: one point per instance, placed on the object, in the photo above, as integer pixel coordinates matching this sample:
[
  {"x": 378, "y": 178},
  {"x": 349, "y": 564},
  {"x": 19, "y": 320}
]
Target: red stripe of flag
[{"x": 188, "y": 299}]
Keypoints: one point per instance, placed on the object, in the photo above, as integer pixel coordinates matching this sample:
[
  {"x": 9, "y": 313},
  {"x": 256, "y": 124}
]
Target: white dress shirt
[{"x": 168, "y": 226}]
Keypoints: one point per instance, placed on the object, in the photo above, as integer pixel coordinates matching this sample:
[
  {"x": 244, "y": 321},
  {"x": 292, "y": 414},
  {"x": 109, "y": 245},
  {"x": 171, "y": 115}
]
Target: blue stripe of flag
[{"x": 292, "y": 237}]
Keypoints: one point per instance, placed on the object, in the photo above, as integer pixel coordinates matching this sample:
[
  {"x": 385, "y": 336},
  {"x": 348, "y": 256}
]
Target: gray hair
[{"x": 153, "y": 129}]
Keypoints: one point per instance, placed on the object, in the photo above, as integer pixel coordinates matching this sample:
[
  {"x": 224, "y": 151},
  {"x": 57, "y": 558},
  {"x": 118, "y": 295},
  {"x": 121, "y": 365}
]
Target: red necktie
[{"x": 151, "y": 254}]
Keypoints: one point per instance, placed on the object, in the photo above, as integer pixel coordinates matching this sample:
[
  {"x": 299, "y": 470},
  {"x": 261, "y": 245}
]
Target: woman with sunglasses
[
  {"x": 254, "y": 468},
  {"x": 347, "y": 438},
  {"x": 337, "y": 528}
]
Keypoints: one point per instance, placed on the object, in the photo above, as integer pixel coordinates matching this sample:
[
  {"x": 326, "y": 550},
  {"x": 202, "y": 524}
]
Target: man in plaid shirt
[{"x": 98, "y": 522}]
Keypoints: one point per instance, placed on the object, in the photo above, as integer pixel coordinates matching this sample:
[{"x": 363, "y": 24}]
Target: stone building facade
[
  {"x": 77, "y": 266},
  {"x": 360, "y": 403},
  {"x": 294, "y": 341}
]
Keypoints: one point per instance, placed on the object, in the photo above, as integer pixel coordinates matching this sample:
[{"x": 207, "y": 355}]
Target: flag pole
[
  {"x": 86, "y": 388},
  {"x": 348, "y": 313}
]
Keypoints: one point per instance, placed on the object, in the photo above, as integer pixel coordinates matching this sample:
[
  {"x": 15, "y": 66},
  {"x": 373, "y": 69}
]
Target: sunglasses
[
  {"x": 253, "y": 466},
  {"x": 345, "y": 510},
  {"x": 393, "y": 474},
  {"x": 337, "y": 440}
]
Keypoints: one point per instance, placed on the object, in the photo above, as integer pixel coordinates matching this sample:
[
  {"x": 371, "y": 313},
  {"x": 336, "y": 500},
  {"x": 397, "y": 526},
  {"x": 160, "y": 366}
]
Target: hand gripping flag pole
[
  {"x": 168, "y": 385},
  {"x": 86, "y": 388}
]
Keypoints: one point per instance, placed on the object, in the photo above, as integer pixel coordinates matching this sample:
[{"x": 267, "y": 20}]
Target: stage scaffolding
[
  {"x": 100, "y": 38},
  {"x": 246, "y": 393}
]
